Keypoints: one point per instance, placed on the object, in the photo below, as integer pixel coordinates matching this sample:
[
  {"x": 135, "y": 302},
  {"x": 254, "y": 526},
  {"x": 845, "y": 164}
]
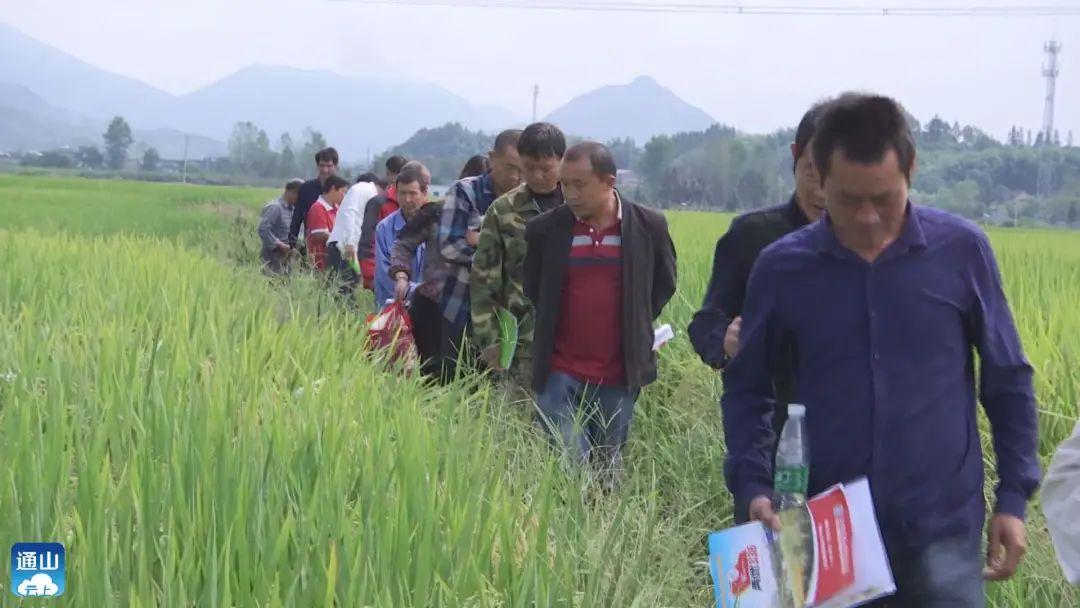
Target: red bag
[{"x": 391, "y": 329}]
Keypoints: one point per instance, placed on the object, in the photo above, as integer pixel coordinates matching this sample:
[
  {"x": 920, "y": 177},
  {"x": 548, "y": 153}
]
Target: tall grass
[{"x": 200, "y": 437}]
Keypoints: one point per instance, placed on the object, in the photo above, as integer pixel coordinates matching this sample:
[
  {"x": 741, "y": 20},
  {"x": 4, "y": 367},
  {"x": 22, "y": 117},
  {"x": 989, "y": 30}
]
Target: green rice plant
[{"x": 199, "y": 436}]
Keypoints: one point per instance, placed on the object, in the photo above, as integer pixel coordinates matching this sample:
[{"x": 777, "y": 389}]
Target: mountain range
[
  {"x": 638, "y": 110},
  {"x": 49, "y": 98}
]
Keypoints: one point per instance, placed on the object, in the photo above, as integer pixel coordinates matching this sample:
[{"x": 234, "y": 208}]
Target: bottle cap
[{"x": 796, "y": 409}]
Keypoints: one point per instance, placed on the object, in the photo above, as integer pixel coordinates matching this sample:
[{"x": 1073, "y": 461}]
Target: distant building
[{"x": 171, "y": 165}]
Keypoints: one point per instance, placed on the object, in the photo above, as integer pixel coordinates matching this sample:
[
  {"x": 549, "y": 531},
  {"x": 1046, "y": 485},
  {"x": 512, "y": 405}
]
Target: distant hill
[
  {"x": 638, "y": 110},
  {"x": 77, "y": 86},
  {"x": 356, "y": 115},
  {"x": 28, "y": 122},
  {"x": 443, "y": 150}
]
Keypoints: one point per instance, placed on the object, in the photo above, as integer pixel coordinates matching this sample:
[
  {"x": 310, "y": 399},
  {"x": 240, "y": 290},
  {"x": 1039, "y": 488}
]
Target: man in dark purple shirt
[{"x": 884, "y": 304}]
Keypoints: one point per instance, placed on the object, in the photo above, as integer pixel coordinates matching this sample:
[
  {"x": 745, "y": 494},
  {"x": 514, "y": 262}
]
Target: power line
[{"x": 645, "y": 6}]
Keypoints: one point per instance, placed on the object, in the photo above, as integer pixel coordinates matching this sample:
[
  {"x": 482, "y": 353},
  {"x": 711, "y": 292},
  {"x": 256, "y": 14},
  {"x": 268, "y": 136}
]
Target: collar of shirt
[
  {"x": 618, "y": 209},
  {"x": 325, "y": 204},
  {"x": 911, "y": 237},
  {"x": 398, "y": 222},
  {"x": 555, "y": 196}
]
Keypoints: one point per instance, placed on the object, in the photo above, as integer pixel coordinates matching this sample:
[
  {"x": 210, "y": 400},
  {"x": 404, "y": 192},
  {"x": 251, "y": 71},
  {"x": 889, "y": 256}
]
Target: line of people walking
[{"x": 848, "y": 298}]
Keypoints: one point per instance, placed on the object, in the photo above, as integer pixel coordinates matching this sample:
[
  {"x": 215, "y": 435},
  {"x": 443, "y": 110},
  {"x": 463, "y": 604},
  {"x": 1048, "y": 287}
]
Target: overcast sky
[{"x": 757, "y": 73}]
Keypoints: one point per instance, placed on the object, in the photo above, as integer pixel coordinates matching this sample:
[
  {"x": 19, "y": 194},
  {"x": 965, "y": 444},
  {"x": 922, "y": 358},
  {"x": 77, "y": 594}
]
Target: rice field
[{"x": 199, "y": 436}]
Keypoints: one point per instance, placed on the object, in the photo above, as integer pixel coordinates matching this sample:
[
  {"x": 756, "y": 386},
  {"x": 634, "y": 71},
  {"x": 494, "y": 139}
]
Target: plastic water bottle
[{"x": 792, "y": 461}]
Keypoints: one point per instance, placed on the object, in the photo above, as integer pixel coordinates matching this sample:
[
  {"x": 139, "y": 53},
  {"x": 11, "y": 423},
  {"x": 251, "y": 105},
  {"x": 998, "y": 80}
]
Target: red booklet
[{"x": 829, "y": 554}]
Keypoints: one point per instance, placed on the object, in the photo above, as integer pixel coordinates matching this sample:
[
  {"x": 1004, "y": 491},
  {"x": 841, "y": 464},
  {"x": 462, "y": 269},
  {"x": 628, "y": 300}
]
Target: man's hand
[
  {"x": 731, "y": 338},
  {"x": 350, "y": 252},
  {"x": 401, "y": 286},
  {"x": 761, "y": 510},
  {"x": 1007, "y": 533},
  {"x": 490, "y": 355},
  {"x": 283, "y": 248},
  {"x": 472, "y": 237}
]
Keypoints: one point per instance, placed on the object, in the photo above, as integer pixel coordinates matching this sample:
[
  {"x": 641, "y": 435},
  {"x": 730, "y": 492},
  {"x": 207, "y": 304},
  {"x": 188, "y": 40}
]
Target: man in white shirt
[
  {"x": 344, "y": 238},
  {"x": 1061, "y": 504}
]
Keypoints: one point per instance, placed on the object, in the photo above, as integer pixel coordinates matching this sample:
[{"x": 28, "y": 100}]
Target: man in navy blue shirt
[{"x": 885, "y": 304}]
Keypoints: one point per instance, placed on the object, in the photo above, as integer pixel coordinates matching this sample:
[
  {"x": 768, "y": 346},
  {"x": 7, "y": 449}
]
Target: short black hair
[
  {"x": 395, "y": 163},
  {"x": 864, "y": 127},
  {"x": 477, "y": 165},
  {"x": 367, "y": 177},
  {"x": 381, "y": 183},
  {"x": 293, "y": 184},
  {"x": 506, "y": 139},
  {"x": 414, "y": 172},
  {"x": 805, "y": 131},
  {"x": 542, "y": 140},
  {"x": 600, "y": 157},
  {"x": 334, "y": 182},
  {"x": 326, "y": 155}
]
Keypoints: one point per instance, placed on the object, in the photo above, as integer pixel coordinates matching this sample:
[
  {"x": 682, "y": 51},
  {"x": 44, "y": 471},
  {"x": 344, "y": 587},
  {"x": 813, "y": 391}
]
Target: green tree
[
  {"x": 90, "y": 157},
  {"x": 313, "y": 142},
  {"x": 249, "y": 149},
  {"x": 976, "y": 138},
  {"x": 286, "y": 158},
  {"x": 625, "y": 152},
  {"x": 117, "y": 141},
  {"x": 656, "y": 163},
  {"x": 53, "y": 159},
  {"x": 150, "y": 160},
  {"x": 938, "y": 133},
  {"x": 962, "y": 199}
]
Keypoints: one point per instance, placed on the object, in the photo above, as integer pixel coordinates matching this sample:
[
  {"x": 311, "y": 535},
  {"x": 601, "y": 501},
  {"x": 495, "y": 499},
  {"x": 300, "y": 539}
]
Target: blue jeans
[
  {"x": 588, "y": 421},
  {"x": 944, "y": 574}
]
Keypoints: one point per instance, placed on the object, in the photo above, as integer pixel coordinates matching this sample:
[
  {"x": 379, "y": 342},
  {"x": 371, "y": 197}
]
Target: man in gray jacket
[
  {"x": 274, "y": 229},
  {"x": 1061, "y": 503}
]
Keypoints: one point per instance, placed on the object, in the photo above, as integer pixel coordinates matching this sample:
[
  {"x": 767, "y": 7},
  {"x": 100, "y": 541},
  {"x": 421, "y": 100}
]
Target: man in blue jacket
[{"x": 884, "y": 303}]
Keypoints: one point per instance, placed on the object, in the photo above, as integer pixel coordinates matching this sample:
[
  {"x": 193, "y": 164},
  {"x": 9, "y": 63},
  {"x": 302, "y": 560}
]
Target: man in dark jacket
[
  {"x": 598, "y": 270},
  {"x": 326, "y": 160},
  {"x": 714, "y": 332}
]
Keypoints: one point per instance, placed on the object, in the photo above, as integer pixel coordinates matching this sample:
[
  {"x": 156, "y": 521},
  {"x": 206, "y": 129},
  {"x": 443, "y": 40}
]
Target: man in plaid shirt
[{"x": 459, "y": 233}]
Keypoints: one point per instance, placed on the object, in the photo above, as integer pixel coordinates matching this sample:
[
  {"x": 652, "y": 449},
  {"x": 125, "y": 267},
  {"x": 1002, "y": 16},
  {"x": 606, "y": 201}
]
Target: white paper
[{"x": 662, "y": 335}]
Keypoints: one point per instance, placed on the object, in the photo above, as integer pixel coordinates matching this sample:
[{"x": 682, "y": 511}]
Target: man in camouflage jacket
[{"x": 497, "y": 270}]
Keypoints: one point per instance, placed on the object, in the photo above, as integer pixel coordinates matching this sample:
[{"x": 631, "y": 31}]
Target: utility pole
[
  {"x": 1050, "y": 72},
  {"x": 536, "y": 97}
]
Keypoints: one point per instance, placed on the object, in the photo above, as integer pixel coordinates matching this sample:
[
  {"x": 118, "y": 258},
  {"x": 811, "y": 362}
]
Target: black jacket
[
  {"x": 309, "y": 193},
  {"x": 735, "y": 255},
  {"x": 648, "y": 269},
  {"x": 365, "y": 250}
]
